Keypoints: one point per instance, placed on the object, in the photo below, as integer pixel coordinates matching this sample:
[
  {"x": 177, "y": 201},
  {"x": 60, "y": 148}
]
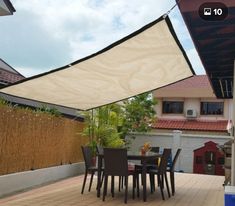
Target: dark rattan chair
[
  {"x": 171, "y": 170},
  {"x": 90, "y": 168},
  {"x": 152, "y": 164},
  {"x": 161, "y": 172},
  {"x": 155, "y": 149},
  {"x": 116, "y": 164}
]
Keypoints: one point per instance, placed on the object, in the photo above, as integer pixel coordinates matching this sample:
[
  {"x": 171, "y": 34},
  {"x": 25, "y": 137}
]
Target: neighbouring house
[
  {"x": 9, "y": 75},
  {"x": 6, "y": 8},
  {"x": 188, "y": 116},
  {"x": 191, "y": 106}
]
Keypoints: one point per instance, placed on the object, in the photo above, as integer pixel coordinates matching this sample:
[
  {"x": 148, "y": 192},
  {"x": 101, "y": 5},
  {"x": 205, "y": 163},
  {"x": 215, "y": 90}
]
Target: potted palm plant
[
  {"x": 101, "y": 126},
  {"x": 93, "y": 145}
]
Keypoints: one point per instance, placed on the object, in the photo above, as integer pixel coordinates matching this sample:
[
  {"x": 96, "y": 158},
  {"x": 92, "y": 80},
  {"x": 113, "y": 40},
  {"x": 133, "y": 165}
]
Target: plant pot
[{"x": 94, "y": 161}]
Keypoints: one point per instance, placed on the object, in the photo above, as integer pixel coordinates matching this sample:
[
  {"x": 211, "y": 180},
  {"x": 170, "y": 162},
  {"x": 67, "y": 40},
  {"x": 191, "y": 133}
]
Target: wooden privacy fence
[{"x": 30, "y": 140}]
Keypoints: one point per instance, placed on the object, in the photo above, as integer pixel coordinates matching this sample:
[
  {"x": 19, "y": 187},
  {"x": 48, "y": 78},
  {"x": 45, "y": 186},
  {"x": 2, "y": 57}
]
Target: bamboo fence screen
[{"x": 30, "y": 140}]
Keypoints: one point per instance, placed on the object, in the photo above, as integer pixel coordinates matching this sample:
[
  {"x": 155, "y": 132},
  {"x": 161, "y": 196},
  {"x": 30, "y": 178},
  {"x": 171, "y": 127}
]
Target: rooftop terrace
[{"x": 191, "y": 189}]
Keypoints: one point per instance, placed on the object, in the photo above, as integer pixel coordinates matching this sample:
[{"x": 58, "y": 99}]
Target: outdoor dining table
[{"x": 131, "y": 156}]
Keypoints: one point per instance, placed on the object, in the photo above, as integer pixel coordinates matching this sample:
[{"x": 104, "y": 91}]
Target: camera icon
[{"x": 207, "y": 11}]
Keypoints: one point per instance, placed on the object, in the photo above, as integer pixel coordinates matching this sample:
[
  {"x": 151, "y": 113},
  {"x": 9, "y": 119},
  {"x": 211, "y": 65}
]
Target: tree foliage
[
  {"x": 108, "y": 125},
  {"x": 102, "y": 125},
  {"x": 139, "y": 114}
]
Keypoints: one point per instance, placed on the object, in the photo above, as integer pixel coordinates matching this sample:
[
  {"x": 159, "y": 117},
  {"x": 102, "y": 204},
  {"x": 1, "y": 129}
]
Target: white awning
[{"x": 147, "y": 59}]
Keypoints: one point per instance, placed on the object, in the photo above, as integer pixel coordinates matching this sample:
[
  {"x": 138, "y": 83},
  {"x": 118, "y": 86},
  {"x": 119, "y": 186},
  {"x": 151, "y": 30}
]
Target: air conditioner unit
[{"x": 191, "y": 113}]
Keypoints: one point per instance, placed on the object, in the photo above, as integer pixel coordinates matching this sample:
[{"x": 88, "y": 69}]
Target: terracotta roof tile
[
  {"x": 9, "y": 77},
  {"x": 197, "y": 86},
  {"x": 198, "y": 81},
  {"x": 191, "y": 125}
]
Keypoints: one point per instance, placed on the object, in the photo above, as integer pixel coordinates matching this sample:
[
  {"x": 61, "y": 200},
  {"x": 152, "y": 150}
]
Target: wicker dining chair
[
  {"x": 161, "y": 172},
  {"x": 116, "y": 164},
  {"x": 171, "y": 170},
  {"x": 152, "y": 164},
  {"x": 89, "y": 167}
]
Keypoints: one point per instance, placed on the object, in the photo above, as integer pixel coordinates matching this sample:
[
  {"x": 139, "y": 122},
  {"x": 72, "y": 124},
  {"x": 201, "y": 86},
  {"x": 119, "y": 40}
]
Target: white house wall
[
  {"x": 194, "y": 103},
  {"x": 230, "y": 108}
]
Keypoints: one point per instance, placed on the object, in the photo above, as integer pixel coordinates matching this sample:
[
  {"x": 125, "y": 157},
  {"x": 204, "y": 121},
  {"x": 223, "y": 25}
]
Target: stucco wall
[
  {"x": 194, "y": 103},
  {"x": 174, "y": 140}
]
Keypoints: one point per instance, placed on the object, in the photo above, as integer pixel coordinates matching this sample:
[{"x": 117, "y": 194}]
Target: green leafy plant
[
  {"x": 93, "y": 145},
  {"x": 43, "y": 109},
  {"x": 101, "y": 125},
  {"x": 49, "y": 110},
  {"x": 4, "y": 102},
  {"x": 139, "y": 114},
  {"x": 109, "y": 125}
]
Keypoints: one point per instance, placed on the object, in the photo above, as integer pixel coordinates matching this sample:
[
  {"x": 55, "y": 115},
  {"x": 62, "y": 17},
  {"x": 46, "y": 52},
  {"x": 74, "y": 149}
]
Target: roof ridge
[
  {"x": 186, "y": 124},
  {"x": 14, "y": 70},
  {"x": 199, "y": 75}
]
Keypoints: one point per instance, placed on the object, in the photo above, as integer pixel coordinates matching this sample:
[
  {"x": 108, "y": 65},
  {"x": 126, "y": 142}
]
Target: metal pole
[
  {"x": 233, "y": 133},
  {"x": 92, "y": 129}
]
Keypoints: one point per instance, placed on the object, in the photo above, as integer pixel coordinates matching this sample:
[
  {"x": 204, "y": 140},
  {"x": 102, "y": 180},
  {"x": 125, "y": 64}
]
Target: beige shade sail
[{"x": 147, "y": 59}]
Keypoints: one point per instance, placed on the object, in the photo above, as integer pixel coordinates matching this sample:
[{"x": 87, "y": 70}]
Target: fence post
[{"x": 175, "y": 146}]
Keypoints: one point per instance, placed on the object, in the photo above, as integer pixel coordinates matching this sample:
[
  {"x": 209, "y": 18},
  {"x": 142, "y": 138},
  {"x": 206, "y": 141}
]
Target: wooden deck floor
[{"x": 191, "y": 190}]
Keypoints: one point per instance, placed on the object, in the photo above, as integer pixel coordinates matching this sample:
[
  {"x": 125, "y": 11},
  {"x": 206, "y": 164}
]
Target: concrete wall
[
  {"x": 175, "y": 140},
  {"x": 24, "y": 180}
]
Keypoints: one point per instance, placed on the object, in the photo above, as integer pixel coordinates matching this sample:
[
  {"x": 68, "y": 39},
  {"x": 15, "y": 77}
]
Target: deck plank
[{"x": 191, "y": 189}]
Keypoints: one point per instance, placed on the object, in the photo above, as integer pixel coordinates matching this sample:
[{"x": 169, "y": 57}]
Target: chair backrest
[
  {"x": 175, "y": 160},
  {"x": 163, "y": 163},
  {"x": 100, "y": 150},
  {"x": 155, "y": 149},
  {"x": 115, "y": 161},
  {"x": 87, "y": 155}
]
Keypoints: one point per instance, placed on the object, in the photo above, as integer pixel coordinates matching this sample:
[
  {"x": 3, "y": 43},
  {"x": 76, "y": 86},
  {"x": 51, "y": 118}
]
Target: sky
[{"x": 43, "y": 35}]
